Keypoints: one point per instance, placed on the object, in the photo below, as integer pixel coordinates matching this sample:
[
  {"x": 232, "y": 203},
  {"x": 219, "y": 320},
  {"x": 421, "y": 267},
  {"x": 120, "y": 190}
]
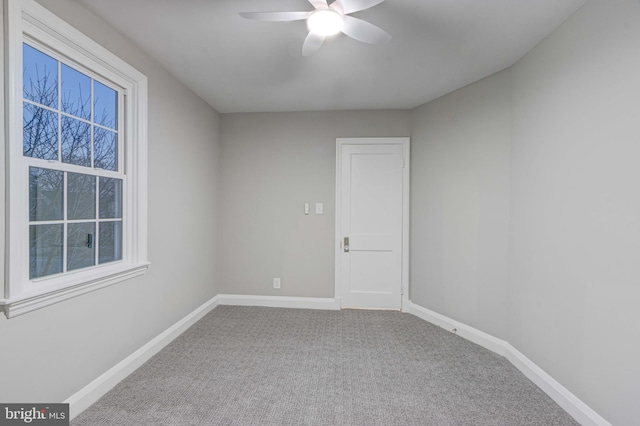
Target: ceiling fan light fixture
[
  {"x": 329, "y": 19},
  {"x": 325, "y": 22}
]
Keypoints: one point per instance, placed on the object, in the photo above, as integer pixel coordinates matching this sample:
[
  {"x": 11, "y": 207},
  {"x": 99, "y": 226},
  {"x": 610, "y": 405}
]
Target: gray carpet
[{"x": 267, "y": 366}]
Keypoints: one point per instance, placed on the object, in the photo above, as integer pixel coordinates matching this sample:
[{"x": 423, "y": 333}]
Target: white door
[{"x": 371, "y": 200}]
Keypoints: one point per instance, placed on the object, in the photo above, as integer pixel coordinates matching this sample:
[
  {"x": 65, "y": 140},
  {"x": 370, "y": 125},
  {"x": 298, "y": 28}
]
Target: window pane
[
  {"x": 76, "y": 93},
  {"x": 76, "y": 142},
  {"x": 81, "y": 196},
  {"x": 105, "y": 149},
  {"x": 39, "y": 77},
  {"x": 110, "y": 198},
  {"x": 110, "y": 242},
  {"x": 45, "y": 250},
  {"x": 80, "y": 245},
  {"x": 45, "y": 194},
  {"x": 105, "y": 105},
  {"x": 40, "y": 132}
]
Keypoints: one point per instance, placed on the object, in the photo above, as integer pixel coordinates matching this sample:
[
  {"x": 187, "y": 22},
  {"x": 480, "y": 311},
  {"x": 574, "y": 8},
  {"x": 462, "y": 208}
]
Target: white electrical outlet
[{"x": 276, "y": 283}]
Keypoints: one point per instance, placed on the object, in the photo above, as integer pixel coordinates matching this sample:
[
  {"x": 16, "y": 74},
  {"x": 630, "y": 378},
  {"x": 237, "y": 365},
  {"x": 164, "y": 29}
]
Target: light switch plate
[{"x": 319, "y": 208}]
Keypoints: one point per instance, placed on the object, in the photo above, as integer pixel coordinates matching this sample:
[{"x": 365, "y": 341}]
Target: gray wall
[
  {"x": 273, "y": 164},
  {"x": 535, "y": 171},
  {"x": 575, "y": 207},
  {"x": 460, "y": 204},
  {"x": 50, "y": 354}
]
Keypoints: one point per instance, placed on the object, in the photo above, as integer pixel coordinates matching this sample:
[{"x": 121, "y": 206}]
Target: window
[
  {"x": 71, "y": 144},
  {"x": 77, "y": 163}
]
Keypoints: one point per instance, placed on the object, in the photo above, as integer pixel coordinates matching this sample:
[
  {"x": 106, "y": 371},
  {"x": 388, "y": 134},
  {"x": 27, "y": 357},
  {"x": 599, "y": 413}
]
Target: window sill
[{"x": 23, "y": 304}]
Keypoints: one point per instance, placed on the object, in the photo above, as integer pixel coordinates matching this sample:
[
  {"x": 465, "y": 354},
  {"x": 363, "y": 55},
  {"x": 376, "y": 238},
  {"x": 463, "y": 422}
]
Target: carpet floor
[{"x": 269, "y": 366}]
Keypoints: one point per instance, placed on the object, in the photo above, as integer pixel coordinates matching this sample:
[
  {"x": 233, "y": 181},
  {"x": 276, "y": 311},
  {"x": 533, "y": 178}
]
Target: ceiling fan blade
[
  {"x": 312, "y": 43},
  {"x": 319, "y": 4},
  {"x": 364, "y": 31},
  {"x": 350, "y": 6},
  {"x": 276, "y": 16}
]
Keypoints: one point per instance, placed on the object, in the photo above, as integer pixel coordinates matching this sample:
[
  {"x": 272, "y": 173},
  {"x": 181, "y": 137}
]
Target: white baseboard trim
[
  {"x": 580, "y": 411},
  {"x": 82, "y": 399},
  {"x": 280, "y": 301},
  {"x": 476, "y": 336},
  {"x": 86, "y": 396}
]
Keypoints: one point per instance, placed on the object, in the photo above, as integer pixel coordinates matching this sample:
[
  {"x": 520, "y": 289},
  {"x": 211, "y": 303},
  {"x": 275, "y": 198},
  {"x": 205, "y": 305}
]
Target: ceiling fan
[{"x": 329, "y": 19}]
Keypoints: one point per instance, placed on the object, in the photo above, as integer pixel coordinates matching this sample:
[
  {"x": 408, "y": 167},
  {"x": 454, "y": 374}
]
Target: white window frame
[{"x": 25, "y": 19}]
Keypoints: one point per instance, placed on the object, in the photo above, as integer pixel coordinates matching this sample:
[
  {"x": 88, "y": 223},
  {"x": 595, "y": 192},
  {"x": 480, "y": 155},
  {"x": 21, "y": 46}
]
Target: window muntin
[{"x": 75, "y": 213}]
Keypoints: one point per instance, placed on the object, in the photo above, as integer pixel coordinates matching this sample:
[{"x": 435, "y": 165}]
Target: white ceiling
[{"x": 238, "y": 65}]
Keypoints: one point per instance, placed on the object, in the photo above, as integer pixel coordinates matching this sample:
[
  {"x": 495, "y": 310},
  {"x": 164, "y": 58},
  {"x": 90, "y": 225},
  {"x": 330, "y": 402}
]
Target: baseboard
[
  {"x": 476, "y": 336},
  {"x": 561, "y": 395},
  {"x": 82, "y": 399},
  {"x": 580, "y": 411},
  {"x": 279, "y": 301},
  {"x": 86, "y": 396}
]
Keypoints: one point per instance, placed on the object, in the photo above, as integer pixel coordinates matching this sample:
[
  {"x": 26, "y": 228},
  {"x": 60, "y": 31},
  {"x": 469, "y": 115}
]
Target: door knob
[{"x": 346, "y": 244}]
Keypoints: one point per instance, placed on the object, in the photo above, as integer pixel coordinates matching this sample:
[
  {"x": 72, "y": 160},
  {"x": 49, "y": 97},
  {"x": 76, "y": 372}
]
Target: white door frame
[{"x": 406, "y": 144}]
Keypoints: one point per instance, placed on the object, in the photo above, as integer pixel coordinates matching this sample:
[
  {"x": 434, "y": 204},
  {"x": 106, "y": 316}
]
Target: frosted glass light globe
[{"x": 325, "y": 22}]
